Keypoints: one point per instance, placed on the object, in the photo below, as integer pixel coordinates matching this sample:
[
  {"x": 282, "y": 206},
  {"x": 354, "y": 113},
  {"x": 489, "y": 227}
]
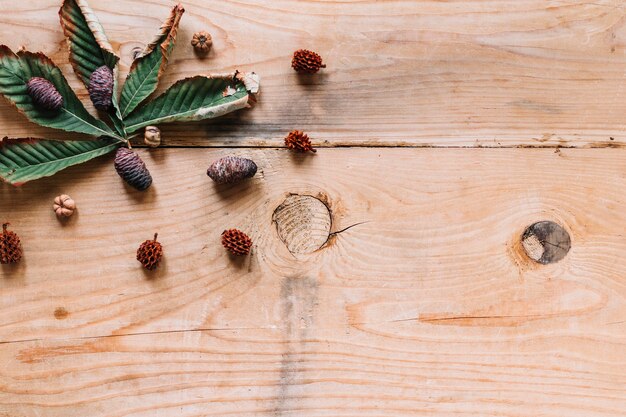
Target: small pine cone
[
  {"x": 202, "y": 42},
  {"x": 131, "y": 168},
  {"x": 299, "y": 141},
  {"x": 44, "y": 94},
  {"x": 236, "y": 242},
  {"x": 306, "y": 61},
  {"x": 231, "y": 169},
  {"x": 150, "y": 253},
  {"x": 64, "y": 205},
  {"x": 101, "y": 88},
  {"x": 10, "y": 246}
]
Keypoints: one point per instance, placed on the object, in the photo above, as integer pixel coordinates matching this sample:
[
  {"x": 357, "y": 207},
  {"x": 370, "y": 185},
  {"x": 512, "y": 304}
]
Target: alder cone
[
  {"x": 231, "y": 169},
  {"x": 299, "y": 141},
  {"x": 150, "y": 253},
  {"x": 101, "y": 88},
  {"x": 44, "y": 94},
  {"x": 236, "y": 242},
  {"x": 306, "y": 61},
  {"x": 131, "y": 168},
  {"x": 10, "y": 246}
]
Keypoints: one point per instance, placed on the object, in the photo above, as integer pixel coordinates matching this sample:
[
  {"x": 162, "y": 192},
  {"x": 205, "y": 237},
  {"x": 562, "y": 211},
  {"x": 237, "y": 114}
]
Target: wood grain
[
  {"x": 400, "y": 73},
  {"x": 429, "y": 308}
]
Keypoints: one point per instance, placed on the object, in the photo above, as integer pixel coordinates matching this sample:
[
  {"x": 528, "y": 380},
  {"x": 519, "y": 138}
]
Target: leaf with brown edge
[
  {"x": 149, "y": 65},
  {"x": 17, "y": 69}
]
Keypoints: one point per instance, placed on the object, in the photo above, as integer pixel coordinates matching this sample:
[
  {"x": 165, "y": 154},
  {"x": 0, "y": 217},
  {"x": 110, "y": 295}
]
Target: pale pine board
[
  {"x": 428, "y": 309},
  {"x": 428, "y": 73}
]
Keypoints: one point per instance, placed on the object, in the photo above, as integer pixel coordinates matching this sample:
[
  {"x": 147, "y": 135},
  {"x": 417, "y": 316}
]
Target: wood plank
[
  {"x": 429, "y": 308},
  {"x": 400, "y": 73}
]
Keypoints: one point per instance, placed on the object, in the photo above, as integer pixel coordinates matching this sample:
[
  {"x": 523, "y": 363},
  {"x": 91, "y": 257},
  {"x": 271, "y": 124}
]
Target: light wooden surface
[{"x": 426, "y": 306}]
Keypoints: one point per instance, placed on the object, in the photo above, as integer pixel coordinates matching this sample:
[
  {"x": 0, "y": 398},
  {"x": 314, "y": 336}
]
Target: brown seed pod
[
  {"x": 231, "y": 169},
  {"x": 152, "y": 136},
  {"x": 10, "y": 246},
  {"x": 64, "y": 206},
  {"x": 150, "y": 253},
  {"x": 101, "y": 88},
  {"x": 202, "y": 42},
  {"x": 306, "y": 61},
  {"x": 299, "y": 141},
  {"x": 44, "y": 94},
  {"x": 236, "y": 242},
  {"x": 131, "y": 168}
]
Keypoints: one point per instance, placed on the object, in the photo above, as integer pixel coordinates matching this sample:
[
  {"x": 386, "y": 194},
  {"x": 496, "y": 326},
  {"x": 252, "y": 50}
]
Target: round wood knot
[
  {"x": 546, "y": 242},
  {"x": 303, "y": 223}
]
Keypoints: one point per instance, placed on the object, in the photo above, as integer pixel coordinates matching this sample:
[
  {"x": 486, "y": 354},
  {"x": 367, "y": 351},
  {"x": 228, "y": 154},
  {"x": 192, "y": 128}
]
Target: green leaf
[
  {"x": 16, "y": 70},
  {"x": 147, "y": 68},
  {"x": 23, "y": 160},
  {"x": 89, "y": 48},
  {"x": 193, "y": 98}
]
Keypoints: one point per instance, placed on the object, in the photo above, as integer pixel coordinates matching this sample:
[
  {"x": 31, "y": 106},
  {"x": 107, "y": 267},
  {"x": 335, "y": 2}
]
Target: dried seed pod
[
  {"x": 44, "y": 94},
  {"x": 306, "y": 61},
  {"x": 64, "y": 206},
  {"x": 299, "y": 141},
  {"x": 10, "y": 246},
  {"x": 202, "y": 42},
  {"x": 131, "y": 168},
  {"x": 231, "y": 169},
  {"x": 101, "y": 88},
  {"x": 152, "y": 136},
  {"x": 236, "y": 242},
  {"x": 150, "y": 253}
]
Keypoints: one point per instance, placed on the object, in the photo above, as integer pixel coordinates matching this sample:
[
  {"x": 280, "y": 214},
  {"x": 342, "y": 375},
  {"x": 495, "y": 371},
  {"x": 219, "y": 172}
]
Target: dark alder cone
[
  {"x": 101, "y": 88},
  {"x": 10, "y": 246},
  {"x": 299, "y": 142},
  {"x": 236, "y": 242},
  {"x": 44, "y": 94},
  {"x": 231, "y": 169},
  {"x": 131, "y": 168},
  {"x": 306, "y": 61},
  {"x": 150, "y": 253}
]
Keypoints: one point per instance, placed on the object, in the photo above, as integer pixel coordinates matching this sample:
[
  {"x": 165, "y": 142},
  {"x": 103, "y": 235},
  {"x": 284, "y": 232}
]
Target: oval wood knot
[
  {"x": 546, "y": 242},
  {"x": 303, "y": 223}
]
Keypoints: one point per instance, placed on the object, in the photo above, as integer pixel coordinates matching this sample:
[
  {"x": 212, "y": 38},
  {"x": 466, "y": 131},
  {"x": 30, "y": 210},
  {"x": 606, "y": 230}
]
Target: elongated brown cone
[
  {"x": 44, "y": 94},
  {"x": 231, "y": 169},
  {"x": 101, "y": 88},
  {"x": 10, "y": 246},
  {"x": 150, "y": 253},
  {"x": 131, "y": 168},
  {"x": 236, "y": 242}
]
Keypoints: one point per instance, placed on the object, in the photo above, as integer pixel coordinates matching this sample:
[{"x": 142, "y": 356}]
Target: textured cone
[
  {"x": 307, "y": 61},
  {"x": 202, "y": 42},
  {"x": 236, "y": 242},
  {"x": 10, "y": 247},
  {"x": 150, "y": 253},
  {"x": 101, "y": 88},
  {"x": 299, "y": 142},
  {"x": 44, "y": 94},
  {"x": 131, "y": 168},
  {"x": 231, "y": 169}
]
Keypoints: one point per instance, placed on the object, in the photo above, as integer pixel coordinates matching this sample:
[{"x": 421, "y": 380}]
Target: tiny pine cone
[
  {"x": 10, "y": 246},
  {"x": 299, "y": 142},
  {"x": 306, "y": 61},
  {"x": 236, "y": 242},
  {"x": 132, "y": 169},
  {"x": 231, "y": 169},
  {"x": 44, "y": 94},
  {"x": 202, "y": 42},
  {"x": 101, "y": 88},
  {"x": 150, "y": 253}
]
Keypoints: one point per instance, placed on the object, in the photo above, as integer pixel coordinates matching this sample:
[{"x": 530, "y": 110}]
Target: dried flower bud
[
  {"x": 299, "y": 142},
  {"x": 202, "y": 42},
  {"x": 231, "y": 169},
  {"x": 10, "y": 246},
  {"x": 152, "y": 136},
  {"x": 44, "y": 94},
  {"x": 64, "y": 206},
  {"x": 236, "y": 242},
  {"x": 150, "y": 253},
  {"x": 101, "y": 88},
  {"x": 306, "y": 61},
  {"x": 131, "y": 168}
]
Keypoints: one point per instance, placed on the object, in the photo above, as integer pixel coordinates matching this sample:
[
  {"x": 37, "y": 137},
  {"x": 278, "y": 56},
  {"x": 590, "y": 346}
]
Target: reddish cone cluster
[
  {"x": 150, "y": 253},
  {"x": 306, "y": 61},
  {"x": 299, "y": 142},
  {"x": 236, "y": 242},
  {"x": 10, "y": 246}
]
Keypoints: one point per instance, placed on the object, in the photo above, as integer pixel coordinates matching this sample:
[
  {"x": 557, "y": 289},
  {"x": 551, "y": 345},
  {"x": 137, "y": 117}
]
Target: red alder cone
[
  {"x": 299, "y": 141},
  {"x": 236, "y": 242},
  {"x": 307, "y": 61},
  {"x": 10, "y": 246},
  {"x": 150, "y": 253},
  {"x": 44, "y": 94}
]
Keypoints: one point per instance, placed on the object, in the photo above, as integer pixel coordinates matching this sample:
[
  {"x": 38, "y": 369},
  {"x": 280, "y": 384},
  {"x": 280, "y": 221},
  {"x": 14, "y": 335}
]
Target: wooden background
[{"x": 446, "y": 127}]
